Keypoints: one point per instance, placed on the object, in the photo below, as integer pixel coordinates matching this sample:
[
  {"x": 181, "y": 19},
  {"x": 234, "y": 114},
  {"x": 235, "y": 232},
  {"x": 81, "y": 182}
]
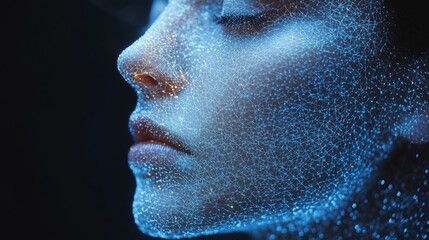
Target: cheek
[
  {"x": 260, "y": 85},
  {"x": 285, "y": 106}
]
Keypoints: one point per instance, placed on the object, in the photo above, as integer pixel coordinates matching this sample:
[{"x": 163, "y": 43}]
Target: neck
[{"x": 395, "y": 204}]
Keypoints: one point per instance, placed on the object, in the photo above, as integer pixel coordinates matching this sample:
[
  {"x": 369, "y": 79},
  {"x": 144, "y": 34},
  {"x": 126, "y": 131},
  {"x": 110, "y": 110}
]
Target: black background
[{"x": 65, "y": 111}]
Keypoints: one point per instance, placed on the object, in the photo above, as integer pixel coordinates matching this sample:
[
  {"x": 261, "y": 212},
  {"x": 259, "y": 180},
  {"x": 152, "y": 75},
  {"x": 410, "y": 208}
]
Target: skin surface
[{"x": 285, "y": 118}]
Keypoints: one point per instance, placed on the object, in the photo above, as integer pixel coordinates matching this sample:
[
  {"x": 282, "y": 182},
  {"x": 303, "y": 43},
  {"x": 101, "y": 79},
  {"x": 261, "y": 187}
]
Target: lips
[
  {"x": 158, "y": 155},
  {"x": 146, "y": 131}
]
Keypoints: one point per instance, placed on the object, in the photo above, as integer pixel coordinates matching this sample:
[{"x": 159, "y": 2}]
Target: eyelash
[{"x": 240, "y": 20}]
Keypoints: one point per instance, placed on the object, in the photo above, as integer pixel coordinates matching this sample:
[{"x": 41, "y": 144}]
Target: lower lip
[{"x": 154, "y": 160}]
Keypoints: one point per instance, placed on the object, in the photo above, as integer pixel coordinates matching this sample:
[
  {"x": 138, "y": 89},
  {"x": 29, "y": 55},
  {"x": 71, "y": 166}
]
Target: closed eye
[{"x": 241, "y": 20}]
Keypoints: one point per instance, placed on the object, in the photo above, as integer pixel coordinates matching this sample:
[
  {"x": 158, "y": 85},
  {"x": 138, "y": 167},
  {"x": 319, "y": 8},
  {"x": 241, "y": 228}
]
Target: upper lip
[{"x": 144, "y": 129}]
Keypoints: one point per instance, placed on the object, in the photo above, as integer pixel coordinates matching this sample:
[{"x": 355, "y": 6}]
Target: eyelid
[
  {"x": 241, "y": 7},
  {"x": 235, "y": 20},
  {"x": 241, "y": 13}
]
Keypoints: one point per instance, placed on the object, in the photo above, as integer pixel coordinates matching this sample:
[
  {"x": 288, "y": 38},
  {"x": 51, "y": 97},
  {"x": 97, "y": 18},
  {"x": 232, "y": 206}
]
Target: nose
[{"x": 154, "y": 64}]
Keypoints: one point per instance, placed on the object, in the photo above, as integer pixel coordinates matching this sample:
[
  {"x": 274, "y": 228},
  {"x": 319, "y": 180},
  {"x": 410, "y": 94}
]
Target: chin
[
  {"x": 180, "y": 213},
  {"x": 171, "y": 212}
]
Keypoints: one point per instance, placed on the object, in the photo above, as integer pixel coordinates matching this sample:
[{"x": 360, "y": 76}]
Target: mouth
[
  {"x": 157, "y": 154},
  {"x": 146, "y": 131}
]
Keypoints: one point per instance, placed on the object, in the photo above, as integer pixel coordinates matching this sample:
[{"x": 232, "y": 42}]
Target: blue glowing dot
[{"x": 357, "y": 227}]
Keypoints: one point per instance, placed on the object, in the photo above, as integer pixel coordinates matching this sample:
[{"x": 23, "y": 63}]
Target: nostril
[{"x": 144, "y": 80}]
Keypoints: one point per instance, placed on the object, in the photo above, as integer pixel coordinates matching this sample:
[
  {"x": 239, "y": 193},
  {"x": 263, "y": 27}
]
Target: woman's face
[{"x": 250, "y": 110}]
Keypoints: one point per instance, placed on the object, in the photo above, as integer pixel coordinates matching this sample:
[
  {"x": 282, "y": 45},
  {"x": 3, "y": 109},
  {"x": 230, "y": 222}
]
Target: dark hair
[{"x": 410, "y": 27}]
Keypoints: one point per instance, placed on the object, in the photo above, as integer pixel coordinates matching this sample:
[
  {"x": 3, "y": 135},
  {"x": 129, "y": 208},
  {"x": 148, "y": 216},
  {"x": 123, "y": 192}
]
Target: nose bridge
[{"x": 154, "y": 64}]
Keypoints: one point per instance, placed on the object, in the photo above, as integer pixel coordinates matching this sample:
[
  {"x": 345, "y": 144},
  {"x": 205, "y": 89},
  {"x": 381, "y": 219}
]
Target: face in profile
[{"x": 252, "y": 111}]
